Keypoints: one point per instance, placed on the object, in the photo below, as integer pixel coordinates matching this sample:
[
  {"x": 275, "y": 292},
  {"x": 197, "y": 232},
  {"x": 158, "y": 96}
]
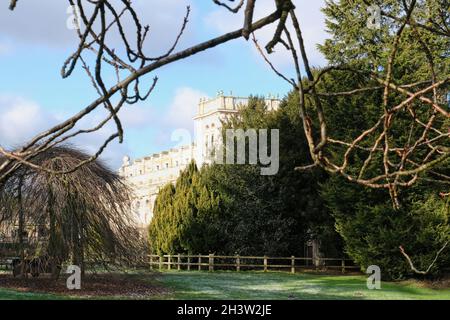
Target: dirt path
[{"x": 104, "y": 285}]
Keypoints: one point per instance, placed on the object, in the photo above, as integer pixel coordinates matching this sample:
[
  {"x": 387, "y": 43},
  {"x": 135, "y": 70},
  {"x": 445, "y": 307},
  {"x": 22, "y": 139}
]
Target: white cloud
[
  {"x": 308, "y": 12},
  {"x": 45, "y": 22},
  {"x": 183, "y": 108},
  {"x": 175, "y": 125},
  {"x": 137, "y": 116},
  {"x": 20, "y": 120}
]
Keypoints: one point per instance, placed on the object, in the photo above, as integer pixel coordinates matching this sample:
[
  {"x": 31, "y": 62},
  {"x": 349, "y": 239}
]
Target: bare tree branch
[
  {"x": 399, "y": 165},
  {"x": 129, "y": 70},
  {"x": 13, "y": 4},
  {"x": 413, "y": 268}
]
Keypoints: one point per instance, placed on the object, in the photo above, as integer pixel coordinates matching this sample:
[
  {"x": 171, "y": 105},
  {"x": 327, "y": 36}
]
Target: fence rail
[{"x": 213, "y": 262}]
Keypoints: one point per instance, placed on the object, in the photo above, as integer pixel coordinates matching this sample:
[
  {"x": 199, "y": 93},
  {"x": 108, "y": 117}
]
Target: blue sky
[{"x": 34, "y": 42}]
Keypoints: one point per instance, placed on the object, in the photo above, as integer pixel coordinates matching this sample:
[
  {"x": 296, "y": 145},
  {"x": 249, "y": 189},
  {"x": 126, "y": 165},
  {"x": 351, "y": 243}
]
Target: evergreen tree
[
  {"x": 185, "y": 216},
  {"x": 163, "y": 229},
  {"x": 230, "y": 209},
  {"x": 371, "y": 228},
  {"x": 275, "y": 214}
]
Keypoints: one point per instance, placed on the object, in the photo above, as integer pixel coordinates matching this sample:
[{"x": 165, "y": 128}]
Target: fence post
[
  {"x": 169, "y": 262},
  {"x": 160, "y": 263},
  {"x": 211, "y": 262},
  {"x": 292, "y": 264},
  {"x": 265, "y": 263},
  {"x": 189, "y": 263},
  {"x": 151, "y": 262},
  {"x": 238, "y": 263},
  {"x": 179, "y": 262},
  {"x": 199, "y": 262},
  {"x": 343, "y": 265}
]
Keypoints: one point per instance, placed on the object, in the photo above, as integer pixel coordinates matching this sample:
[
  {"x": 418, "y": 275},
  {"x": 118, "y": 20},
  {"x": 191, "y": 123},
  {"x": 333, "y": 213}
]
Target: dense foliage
[
  {"x": 185, "y": 216},
  {"x": 77, "y": 217},
  {"x": 243, "y": 211},
  {"x": 277, "y": 215},
  {"x": 371, "y": 228}
]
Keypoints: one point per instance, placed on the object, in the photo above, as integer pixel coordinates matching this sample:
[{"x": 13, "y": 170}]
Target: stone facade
[{"x": 147, "y": 175}]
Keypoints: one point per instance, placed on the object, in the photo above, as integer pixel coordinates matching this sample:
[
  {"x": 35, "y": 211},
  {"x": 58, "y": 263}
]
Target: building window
[
  {"x": 157, "y": 168},
  {"x": 167, "y": 166}
]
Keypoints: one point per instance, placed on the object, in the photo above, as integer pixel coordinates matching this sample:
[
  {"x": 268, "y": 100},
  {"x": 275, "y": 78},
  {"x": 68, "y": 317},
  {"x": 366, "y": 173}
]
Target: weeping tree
[{"x": 83, "y": 215}]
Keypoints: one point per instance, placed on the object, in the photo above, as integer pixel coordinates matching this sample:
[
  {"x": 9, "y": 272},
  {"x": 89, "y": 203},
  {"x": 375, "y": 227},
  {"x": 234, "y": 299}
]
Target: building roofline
[
  {"x": 199, "y": 116},
  {"x": 159, "y": 154}
]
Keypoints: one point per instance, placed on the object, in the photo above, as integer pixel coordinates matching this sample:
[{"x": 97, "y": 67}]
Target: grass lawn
[
  {"x": 278, "y": 285},
  {"x": 6, "y": 294},
  {"x": 258, "y": 285}
]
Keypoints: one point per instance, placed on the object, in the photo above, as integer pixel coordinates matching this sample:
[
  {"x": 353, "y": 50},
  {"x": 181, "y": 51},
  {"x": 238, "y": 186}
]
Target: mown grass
[
  {"x": 185, "y": 285},
  {"x": 279, "y": 285},
  {"x": 6, "y": 294}
]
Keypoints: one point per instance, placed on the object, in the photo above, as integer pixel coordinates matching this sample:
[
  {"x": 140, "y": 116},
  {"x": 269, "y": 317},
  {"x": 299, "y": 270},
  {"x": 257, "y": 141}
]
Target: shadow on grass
[
  {"x": 6, "y": 294},
  {"x": 193, "y": 285},
  {"x": 283, "y": 286}
]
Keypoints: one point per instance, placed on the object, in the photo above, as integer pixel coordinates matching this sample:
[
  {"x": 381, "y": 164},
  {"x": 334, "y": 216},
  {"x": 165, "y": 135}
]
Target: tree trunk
[
  {"x": 54, "y": 243},
  {"x": 21, "y": 229}
]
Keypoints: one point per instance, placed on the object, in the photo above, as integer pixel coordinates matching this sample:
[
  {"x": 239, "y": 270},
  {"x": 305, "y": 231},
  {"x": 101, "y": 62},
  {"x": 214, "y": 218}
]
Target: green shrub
[{"x": 373, "y": 233}]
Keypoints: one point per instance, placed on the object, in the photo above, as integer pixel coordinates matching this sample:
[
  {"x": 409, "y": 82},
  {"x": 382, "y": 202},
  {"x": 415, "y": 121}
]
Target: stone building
[{"x": 147, "y": 175}]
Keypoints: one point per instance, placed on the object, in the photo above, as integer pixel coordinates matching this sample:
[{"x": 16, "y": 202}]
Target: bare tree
[
  {"x": 400, "y": 165},
  {"x": 396, "y": 165},
  {"x": 83, "y": 215},
  {"x": 96, "y": 20}
]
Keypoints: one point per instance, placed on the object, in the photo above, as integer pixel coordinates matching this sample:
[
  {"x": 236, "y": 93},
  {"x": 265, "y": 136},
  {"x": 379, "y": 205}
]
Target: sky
[{"x": 35, "y": 42}]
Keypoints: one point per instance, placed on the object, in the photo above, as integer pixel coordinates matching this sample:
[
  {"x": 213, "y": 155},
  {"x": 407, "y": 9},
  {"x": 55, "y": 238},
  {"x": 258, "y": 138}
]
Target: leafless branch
[
  {"x": 413, "y": 268},
  {"x": 96, "y": 20},
  {"x": 399, "y": 165}
]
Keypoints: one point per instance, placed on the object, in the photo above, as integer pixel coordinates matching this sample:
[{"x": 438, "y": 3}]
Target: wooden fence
[{"x": 213, "y": 262}]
